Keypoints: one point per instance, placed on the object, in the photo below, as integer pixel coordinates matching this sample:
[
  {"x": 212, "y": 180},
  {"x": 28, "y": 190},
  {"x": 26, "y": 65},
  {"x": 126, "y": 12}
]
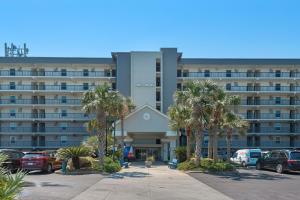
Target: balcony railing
[
  {"x": 245, "y": 75},
  {"x": 271, "y": 116},
  {"x": 274, "y": 130},
  {"x": 43, "y": 130},
  {"x": 46, "y": 101},
  {"x": 270, "y": 102},
  {"x": 35, "y": 144},
  {"x": 66, "y": 74},
  {"x": 46, "y": 87},
  {"x": 263, "y": 88},
  {"x": 46, "y": 116}
]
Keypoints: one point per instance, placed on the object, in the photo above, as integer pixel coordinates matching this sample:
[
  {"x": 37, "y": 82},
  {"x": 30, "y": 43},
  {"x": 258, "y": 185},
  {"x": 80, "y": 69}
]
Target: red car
[{"x": 43, "y": 161}]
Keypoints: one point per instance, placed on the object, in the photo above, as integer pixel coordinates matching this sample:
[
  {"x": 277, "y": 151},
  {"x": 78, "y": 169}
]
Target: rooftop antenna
[{"x": 14, "y": 51}]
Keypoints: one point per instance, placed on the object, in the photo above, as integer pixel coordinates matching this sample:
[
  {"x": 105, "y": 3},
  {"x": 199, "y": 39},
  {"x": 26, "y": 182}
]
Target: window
[
  {"x": 185, "y": 73},
  {"x": 157, "y": 81},
  {"x": 157, "y": 141},
  {"x": 277, "y": 126},
  {"x": 85, "y": 86},
  {"x": 85, "y": 72},
  {"x": 178, "y": 72},
  {"x": 12, "y": 126},
  {"x": 228, "y": 73},
  {"x": 63, "y": 72},
  {"x": 114, "y": 86},
  {"x": 63, "y": 139},
  {"x": 12, "y": 99},
  {"x": 277, "y": 87},
  {"x": 277, "y": 140},
  {"x": 12, "y": 139},
  {"x": 63, "y": 86},
  {"x": 158, "y": 107},
  {"x": 178, "y": 86},
  {"x": 13, "y": 113},
  {"x": 277, "y": 73},
  {"x": 228, "y": 86},
  {"x": 12, "y": 85},
  {"x": 277, "y": 114},
  {"x": 277, "y": 100},
  {"x": 12, "y": 72},
  {"x": 206, "y": 73},
  {"x": 113, "y": 73},
  {"x": 63, "y": 99},
  {"x": 107, "y": 73},
  {"x": 157, "y": 96},
  {"x": 64, "y": 113},
  {"x": 157, "y": 65},
  {"x": 63, "y": 126}
]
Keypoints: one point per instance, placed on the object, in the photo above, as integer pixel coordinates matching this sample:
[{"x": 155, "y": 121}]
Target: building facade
[{"x": 40, "y": 98}]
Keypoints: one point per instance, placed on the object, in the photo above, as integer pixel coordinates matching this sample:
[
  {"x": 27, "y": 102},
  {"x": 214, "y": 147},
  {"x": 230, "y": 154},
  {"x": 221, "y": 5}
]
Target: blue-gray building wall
[
  {"x": 123, "y": 65},
  {"x": 169, "y": 76}
]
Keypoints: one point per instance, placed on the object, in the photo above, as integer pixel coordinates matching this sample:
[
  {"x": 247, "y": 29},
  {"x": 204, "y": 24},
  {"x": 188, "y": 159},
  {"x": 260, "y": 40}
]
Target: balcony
[
  {"x": 45, "y": 116},
  {"x": 46, "y": 88},
  {"x": 268, "y": 89},
  {"x": 271, "y": 116},
  {"x": 240, "y": 75},
  {"x": 31, "y": 145},
  {"x": 60, "y": 130},
  {"x": 274, "y": 131},
  {"x": 271, "y": 102},
  {"x": 56, "y": 74},
  {"x": 61, "y": 102}
]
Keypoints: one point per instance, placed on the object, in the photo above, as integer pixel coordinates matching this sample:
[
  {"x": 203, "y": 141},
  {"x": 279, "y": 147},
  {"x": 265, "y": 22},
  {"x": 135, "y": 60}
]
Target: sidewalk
[{"x": 158, "y": 182}]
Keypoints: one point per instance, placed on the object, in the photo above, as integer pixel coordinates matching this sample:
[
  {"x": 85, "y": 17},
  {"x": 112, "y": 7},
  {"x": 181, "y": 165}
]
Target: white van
[{"x": 246, "y": 157}]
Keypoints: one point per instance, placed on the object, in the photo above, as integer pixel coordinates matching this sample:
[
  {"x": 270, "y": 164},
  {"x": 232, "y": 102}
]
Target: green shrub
[
  {"x": 187, "y": 165},
  {"x": 111, "y": 166},
  {"x": 210, "y": 165},
  {"x": 180, "y": 153},
  {"x": 74, "y": 153}
]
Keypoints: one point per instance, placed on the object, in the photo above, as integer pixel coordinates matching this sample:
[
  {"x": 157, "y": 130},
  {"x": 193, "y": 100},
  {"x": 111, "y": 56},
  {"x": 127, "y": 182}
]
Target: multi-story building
[{"x": 40, "y": 98}]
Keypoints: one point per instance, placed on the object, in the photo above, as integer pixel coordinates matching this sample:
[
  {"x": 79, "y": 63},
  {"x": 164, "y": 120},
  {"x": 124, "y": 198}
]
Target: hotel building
[{"x": 40, "y": 98}]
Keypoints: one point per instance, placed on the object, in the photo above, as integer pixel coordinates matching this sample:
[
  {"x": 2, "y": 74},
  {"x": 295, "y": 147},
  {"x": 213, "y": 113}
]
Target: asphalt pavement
[{"x": 249, "y": 184}]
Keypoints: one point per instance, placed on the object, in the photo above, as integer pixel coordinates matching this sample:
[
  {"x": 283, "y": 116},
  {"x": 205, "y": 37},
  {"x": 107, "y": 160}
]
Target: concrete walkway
[{"x": 158, "y": 182}]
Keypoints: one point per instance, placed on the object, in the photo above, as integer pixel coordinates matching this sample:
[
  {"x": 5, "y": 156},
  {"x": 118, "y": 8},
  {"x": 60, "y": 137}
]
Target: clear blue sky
[{"x": 211, "y": 28}]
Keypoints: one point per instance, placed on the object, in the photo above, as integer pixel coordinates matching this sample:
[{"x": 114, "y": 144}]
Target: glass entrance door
[{"x": 141, "y": 153}]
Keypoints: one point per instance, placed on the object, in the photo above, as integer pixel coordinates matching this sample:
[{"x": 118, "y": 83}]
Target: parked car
[
  {"x": 280, "y": 160},
  {"x": 44, "y": 161},
  {"x": 246, "y": 157},
  {"x": 13, "y": 162}
]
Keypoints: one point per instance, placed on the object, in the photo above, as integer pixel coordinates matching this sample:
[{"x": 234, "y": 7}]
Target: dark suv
[
  {"x": 13, "y": 162},
  {"x": 280, "y": 160}
]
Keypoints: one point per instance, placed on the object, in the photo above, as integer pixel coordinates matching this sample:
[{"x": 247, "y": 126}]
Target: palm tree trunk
[
  {"x": 198, "y": 137},
  {"x": 177, "y": 138},
  {"x": 188, "y": 143},
  {"x": 101, "y": 149},
  {"x": 228, "y": 144},
  {"x": 122, "y": 139},
  {"x": 215, "y": 146},
  {"x": 210, "y": 145}
]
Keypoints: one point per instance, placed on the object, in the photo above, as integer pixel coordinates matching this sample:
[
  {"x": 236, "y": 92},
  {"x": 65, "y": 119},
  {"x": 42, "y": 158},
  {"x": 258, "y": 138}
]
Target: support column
[{"x": 172, "y": 149}]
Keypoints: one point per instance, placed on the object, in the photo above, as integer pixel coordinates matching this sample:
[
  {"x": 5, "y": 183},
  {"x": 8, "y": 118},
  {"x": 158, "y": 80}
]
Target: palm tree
[
  {"x": 123, "y": 106},
  {"x": 10, "y": 185},
  {"x": 181, "y": 119},
  {"x": 100, "y": 102},
  {"x": 222, "y": 103},
  {"x": 233, "y": 122},
  {"x": 198, "y": 93}
]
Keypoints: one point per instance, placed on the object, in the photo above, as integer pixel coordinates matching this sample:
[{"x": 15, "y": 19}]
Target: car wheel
[
  {"x": 279, "y": 168},
  {"x": 49, "y": 169},
  {"x": 244, "y": 164},
  {"x": 258, "y": 166}
]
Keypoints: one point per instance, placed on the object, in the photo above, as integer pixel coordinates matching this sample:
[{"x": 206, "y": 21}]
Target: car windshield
[
  {"x": 295, "y": 156},
  {"x": 255, "y": 154},
  {"x": 33, "y": 155}
]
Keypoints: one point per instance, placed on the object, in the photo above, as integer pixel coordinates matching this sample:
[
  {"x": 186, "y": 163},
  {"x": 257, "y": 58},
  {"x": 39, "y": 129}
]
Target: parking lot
[
  {"x": 253, "y": 184},
  {"x": 40, "y": 186}
]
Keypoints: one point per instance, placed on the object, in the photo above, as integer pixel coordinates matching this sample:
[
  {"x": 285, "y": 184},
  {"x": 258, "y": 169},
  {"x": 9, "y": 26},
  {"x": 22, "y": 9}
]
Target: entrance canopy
[{"x": 145, "y": 120}]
